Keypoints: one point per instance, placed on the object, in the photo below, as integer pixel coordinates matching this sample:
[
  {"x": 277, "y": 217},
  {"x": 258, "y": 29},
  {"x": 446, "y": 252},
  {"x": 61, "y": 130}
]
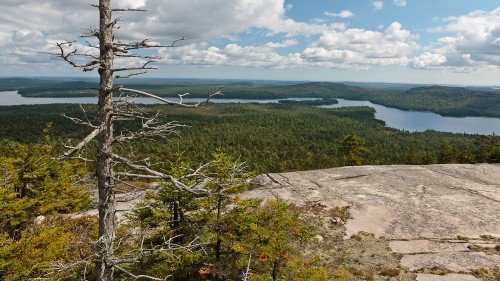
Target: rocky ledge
[{"x": 437, "y": 216}]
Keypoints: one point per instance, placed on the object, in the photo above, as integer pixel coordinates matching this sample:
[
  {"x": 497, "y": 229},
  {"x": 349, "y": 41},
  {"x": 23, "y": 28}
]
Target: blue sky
[{"x": 412, "y": 41}]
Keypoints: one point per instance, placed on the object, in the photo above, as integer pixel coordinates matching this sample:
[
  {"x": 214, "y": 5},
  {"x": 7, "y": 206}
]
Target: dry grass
[{"x": 362, "y": 257}]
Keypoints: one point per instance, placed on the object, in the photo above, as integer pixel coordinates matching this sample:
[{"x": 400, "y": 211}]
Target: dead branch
[
  {"x": 169, "y": 102},
  {"x": 79, "y": 121},
  {"x": 138, "y": 175},
  {"x": 129, "y": 10},
  {"x": 151, "y": 128},
  {"x": 137, "y": 277},
  {"x": 178, "y": 184},
  {"x": 123, "y": 10},
  {"x": 144, "y": 66},
  {"x": 68, "y": 55},
  {"x": 91, "y": 32},
  {"x": 138, "y": 56},
  {"x": 246, "y": 274},
  {"x": 81, "y": 158},
  {"x": 83, "y": 143},
  {"x": 130, "y": 75},
  {"x": 144, "y": 44}
]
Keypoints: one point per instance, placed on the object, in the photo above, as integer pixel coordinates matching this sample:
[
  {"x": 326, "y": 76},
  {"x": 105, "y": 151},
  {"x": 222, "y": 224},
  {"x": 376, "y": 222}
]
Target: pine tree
[{"x": 352, "y": 149}]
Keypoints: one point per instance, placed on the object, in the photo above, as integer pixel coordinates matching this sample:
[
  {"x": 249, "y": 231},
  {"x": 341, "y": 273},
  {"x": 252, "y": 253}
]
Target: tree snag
[
  {"x": 105, "y": 181},
  {"x": 110, "y": 110}
]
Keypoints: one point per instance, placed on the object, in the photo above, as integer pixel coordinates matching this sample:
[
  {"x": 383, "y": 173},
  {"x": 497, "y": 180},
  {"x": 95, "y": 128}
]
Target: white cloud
[
  {"x": 212, "y": 18},
  {"x": 333, "y": 44},
  {"x": 346, "y": 48},
  {"x": 360, "y": 48},
  {"x": 428, "y": 60},
  {"x": 474, "y": 44},
  {"x": 342, "y": 14},
  {"x": 5, "y": 37},
  {"x": 165, "y": 19},
  {"x": 378, "y": 5},
  {"x": 233, "y": 54},
  {"x": 58, "y": 20},
  {"x": 134, "y": 4},
  {"x": 400, "y": 3}
]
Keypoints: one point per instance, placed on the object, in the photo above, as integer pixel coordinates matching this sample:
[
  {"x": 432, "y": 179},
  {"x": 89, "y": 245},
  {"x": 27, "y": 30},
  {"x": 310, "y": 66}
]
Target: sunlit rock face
[{"x": 437, "y": 215}]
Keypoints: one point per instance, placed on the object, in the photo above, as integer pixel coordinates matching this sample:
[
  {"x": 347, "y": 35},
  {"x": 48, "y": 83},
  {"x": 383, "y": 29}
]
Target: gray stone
[
  {"x": 39, "y": 219},
  {"x": 426, "y": 246},
  {"x": 428, "y": 206},
  {"x": 319, "y": 238},
  {"x": 449, "y": 277},
  {"x": 400, "y": 202},
  {"x": 456, "y": 262}
]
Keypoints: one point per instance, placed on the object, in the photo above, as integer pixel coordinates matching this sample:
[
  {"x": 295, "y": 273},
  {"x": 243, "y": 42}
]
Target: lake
[
  {"x": 419, "y": 121},
  {"x": 413, "y": 121},
  {"x": 13, "y": 98}
]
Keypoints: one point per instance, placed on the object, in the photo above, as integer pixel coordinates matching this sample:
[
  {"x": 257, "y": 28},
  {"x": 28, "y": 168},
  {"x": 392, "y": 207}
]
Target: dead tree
[{"x": 111, "y": 110}]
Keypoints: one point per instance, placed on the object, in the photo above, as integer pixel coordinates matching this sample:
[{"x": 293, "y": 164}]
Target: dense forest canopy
[{"x": 270, "y": 138}]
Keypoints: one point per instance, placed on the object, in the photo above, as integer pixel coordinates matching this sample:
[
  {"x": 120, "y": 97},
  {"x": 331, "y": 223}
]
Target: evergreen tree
[
  {"x": 34, "y": 184},
  {"x": 448, "y": 154},
  {"x": 352, "y": 149}
]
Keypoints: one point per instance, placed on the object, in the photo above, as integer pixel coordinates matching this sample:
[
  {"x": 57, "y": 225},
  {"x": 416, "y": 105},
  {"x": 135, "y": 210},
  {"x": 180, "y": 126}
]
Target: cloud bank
[{"x": 472, "y": 42}]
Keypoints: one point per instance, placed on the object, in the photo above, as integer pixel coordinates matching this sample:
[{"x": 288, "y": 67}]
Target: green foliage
[
  {"x": 488, "y": 149},
  {"x": 227, "y": 230},
  {"x": 34, "y": 184},
  {"x": 272, "y": 233},
  {"x": 270, "y": 138},
  {"x": 45, "y": 246},
  {"x": 352, "y": 149},
  {"x": 447, "y": 154}
]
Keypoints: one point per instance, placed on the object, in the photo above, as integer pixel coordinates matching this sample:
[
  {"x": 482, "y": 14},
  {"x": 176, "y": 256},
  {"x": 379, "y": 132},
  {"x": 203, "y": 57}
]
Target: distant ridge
[{"x": 436, "y": 89}]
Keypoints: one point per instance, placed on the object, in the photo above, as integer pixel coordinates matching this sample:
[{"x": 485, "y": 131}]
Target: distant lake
[
  {"x": 13, "y": 98},
  {"x": 413, "y": 121},
  {"x": 419, "y": 121}
]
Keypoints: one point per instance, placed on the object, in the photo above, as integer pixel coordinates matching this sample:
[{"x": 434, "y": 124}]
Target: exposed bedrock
[{"x": 444, "y": 216}]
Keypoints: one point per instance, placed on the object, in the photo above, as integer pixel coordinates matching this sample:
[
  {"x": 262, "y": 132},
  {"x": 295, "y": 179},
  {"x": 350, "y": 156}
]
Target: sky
[{"x": 400, "y": 41}]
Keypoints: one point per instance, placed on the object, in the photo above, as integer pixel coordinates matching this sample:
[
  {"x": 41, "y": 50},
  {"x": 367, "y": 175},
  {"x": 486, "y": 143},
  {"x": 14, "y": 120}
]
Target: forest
[
  {"x": 447, "y": 101},
  {"x": 270, "y": 138},
  {"x": 224, "y": 235}
]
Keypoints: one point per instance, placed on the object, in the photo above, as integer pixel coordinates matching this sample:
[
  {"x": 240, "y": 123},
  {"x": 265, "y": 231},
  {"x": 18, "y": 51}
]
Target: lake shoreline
[
  {"x": 407, "y": 120},
  {"x": 231, "y": 99}
]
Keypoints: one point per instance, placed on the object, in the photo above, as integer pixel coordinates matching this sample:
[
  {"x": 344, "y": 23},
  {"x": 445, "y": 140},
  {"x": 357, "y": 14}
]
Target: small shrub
[{"x": 387, "y": 271}]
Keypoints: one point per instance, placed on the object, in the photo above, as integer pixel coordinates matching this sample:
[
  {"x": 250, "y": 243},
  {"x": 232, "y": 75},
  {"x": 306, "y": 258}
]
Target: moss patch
[
  {"x": 362, "y": 257},
  {"x": 487, "y": 274}
]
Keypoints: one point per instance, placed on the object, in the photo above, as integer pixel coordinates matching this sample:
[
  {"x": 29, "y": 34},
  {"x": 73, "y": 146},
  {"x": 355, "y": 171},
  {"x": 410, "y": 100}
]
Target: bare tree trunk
[
  {"x": 108, "y": 113},
  {"x": 276, "y": 265},
  {"x": 106, "y": 184},
  {"x": 218, "y": 245}
]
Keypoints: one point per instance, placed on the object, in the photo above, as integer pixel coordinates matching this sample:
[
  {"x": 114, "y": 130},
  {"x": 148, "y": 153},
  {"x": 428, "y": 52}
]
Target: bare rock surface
[
  {"x": 431, "y": 214},
  {"x": 453, "y": 261},
  {"x": 449, "y": 277},
  {"x": 125, "y": 202}
]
